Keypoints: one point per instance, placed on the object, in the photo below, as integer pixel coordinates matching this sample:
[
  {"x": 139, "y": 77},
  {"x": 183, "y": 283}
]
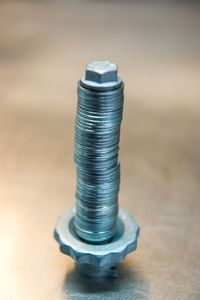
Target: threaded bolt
[
  {"x": 96, "y": 234},
  {"x": 97, "y": 133}
]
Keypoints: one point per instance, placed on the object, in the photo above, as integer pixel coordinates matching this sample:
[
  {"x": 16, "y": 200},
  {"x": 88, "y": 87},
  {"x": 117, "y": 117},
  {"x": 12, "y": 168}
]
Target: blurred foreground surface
[{"x": 43, "y": 48}]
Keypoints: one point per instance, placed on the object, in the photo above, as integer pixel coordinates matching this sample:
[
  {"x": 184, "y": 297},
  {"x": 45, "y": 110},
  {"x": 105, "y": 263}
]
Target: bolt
[{"x": 96, "y": 234}]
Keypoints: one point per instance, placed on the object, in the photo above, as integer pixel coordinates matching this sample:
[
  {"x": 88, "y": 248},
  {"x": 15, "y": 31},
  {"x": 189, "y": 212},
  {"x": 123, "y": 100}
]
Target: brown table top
[{"x": 44, "y": 46}]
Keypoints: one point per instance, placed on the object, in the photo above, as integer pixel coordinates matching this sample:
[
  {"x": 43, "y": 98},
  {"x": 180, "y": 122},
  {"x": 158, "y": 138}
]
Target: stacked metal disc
[{"x": 97, "y": 133}]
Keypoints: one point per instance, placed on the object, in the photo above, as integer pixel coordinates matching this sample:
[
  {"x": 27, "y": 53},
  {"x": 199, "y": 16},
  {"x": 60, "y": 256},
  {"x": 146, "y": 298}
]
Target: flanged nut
[{"x": 103, "y": 256}]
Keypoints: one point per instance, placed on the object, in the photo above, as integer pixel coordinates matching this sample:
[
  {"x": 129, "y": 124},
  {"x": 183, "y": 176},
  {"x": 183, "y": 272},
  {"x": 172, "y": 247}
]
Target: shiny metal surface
[
  {"x": 40, "y": 60},
  {"x": 97, "y": 260},
  {"x": 97, "y": 135}
]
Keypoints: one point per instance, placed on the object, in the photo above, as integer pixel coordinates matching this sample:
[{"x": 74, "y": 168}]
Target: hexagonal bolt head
[{"x": 101, "y": 72}]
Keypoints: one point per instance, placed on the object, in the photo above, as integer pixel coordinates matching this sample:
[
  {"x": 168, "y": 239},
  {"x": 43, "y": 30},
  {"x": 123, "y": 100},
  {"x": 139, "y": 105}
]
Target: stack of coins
[{"x": 97, "y": 134}]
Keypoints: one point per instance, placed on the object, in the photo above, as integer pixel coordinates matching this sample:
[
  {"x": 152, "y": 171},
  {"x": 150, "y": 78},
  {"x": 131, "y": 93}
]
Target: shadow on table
[{"x": 130, "y": 284}]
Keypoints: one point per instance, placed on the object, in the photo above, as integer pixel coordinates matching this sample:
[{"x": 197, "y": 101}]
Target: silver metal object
[
  {"x": 97, "y": 133},
  {"x": 101, "y": 75},
  {"x": 95, "y": 234},
  {"x": 97, "y": 260}
]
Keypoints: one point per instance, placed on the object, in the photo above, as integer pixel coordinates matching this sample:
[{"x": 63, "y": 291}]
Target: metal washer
[{"x": 106, "y": 86}]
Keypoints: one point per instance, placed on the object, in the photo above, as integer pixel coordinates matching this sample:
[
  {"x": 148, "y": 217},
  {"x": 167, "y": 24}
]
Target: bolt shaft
[{"x": 97, "y": 135}]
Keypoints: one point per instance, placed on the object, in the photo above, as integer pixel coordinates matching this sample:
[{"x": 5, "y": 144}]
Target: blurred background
[{"x": 44, "y": 46}]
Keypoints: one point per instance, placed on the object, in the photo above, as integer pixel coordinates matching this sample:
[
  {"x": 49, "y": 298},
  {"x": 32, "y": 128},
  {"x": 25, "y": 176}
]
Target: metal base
[{"x": 92, "y": 259}]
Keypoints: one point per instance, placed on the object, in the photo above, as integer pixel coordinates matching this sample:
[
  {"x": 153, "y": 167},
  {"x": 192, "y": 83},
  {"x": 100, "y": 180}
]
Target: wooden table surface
[{"x": 44, "y": 46}]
